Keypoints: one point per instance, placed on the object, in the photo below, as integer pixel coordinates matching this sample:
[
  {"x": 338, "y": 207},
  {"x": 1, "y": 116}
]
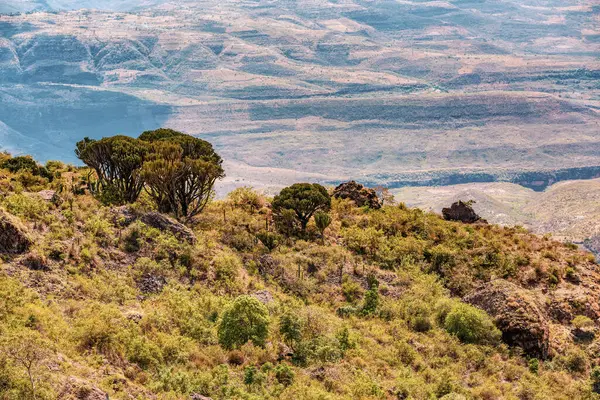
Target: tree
[
  {"x": 116, "y": 161},
  {"x": 180, "y": 171},
  {"x": 26, "y": 164},
  {"x": 269, "y": 239},
  {"x": 28, "y": 350},
  {"x": 322, "y": 220},
  {"x": 384, "y": 195},
  {"x": 290, "y": 327},
  {"x": 246, "y": 319},
  {"x": 304, "y": 199}
]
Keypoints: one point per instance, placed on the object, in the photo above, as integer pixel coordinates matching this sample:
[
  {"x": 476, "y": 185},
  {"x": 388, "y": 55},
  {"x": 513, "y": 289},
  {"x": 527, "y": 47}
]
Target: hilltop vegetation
[{"x": 304, "y": 296}]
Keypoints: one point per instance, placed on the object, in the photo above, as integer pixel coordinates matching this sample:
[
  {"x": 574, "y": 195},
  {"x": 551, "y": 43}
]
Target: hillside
[
  {"x": 566, "y": 210},
  {"x": 124, "y": 301},
  {"x": 396, "y": 93}
]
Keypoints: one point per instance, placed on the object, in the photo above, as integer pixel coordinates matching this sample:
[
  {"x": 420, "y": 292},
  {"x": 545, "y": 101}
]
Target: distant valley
[{"x": 386, "y": 92}]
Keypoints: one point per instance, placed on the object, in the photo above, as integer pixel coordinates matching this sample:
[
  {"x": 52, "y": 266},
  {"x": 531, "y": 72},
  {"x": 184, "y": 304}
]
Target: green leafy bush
[
  {"x": 471, "y": 325},
  {"x": 245, "y": 320}
]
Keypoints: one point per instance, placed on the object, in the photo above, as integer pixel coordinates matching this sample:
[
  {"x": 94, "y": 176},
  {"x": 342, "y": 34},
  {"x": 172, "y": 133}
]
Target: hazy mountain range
[{"x": 386, "y": 92}]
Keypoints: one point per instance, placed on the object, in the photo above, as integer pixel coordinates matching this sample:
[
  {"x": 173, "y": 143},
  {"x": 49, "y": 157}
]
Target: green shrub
[
  {"x": 595, "y": 378},
  {"x": 290, "y": 327},
  {"x": 471, "y": 325},
  {"x": 284, "y": 374},
  {"x": 245, "y": 320}
]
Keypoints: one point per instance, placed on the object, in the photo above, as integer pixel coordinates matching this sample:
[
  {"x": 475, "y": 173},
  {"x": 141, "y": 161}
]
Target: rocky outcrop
[
  {"x": 124, "y": 216},
  {"x": 264, "y": 296},
  {"x": 149, "y": 283},
  {"x": 196, "y": 396},
  {"x": 516, "y": 315},
  {"x": 76, "y": 388},
  {"x": 356, "y": 192},
  {"x": 461, "y": 211},
  {"x": 164, "y": 223},
  {"x": 14, "y": 238}
]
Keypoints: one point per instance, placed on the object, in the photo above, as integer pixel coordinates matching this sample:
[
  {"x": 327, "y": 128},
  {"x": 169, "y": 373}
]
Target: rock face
[
  {"x": 164, "y": 223},
  {"x": 356, "y": 192},
  {"x": 149, "y": 283},
  {"x": 264, "y": 296},
  {"x": 196, "y": 396},
  {"x": 460, "y": 211},
  {"x": 13, "y": 235},
  {"x": 124, "y": 216},
  {"x": 75, "y": 388},
  {"x": 516, "y": 315}
]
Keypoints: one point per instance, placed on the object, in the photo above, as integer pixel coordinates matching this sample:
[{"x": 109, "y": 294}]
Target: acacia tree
[
  {"x": 304, "y": 199},
  {"x": 180, "y": 171},
  {"x": 116, "y": 161},
  {"x": 27, "y": 350}
]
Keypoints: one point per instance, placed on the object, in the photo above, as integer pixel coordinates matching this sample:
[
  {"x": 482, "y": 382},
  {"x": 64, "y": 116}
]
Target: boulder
[
  {"x": 584, "y": 334},
  {"x": 14, "y": 238},
  {"x": 123, "y": 216},
  {"x": 150, "y": 284},
  {"x": 516, "y": 315},
  {"x": 48, "y": 195},
  {"x": 356, "y": 192},
  {"x": 164, "y": 223},
  {"x": 197, "y": 396},
  {"x": 264, "y": 296},
  {"x": 461, "y": 211},
  {"x": 76, "y": 388}
]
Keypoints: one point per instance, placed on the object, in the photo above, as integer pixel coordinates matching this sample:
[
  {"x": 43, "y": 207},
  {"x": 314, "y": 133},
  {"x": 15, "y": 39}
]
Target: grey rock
[
  {"x": 168, "y": 224},
  {"x": 264, "y": 296}
]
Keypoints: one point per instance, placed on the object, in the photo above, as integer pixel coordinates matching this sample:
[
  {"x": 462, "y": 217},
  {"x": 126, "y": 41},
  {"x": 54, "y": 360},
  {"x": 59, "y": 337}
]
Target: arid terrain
[
  {"x": 569, "y": 211},
  {"x": 387, "y": 92}
]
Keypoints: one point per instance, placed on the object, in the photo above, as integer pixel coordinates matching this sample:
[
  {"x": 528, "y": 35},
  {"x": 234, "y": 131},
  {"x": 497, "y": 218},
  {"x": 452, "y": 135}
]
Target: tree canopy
[
  {"x": 246, "y": 319},
  {"x": 304, "y": 199},
  {"x": 178, "y": 170},
  {"x": 117, "y": 161}
]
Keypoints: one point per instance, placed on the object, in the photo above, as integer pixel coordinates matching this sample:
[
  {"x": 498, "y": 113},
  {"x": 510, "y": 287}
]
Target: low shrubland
[{"x": 301, "y": 297}]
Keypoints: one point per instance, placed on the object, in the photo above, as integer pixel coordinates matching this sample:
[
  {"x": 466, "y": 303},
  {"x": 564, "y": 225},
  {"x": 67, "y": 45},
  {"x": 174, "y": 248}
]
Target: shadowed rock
[
  {"x": 14, "y": 238},
  {"x": 164, "y": 223},
  {"x": 124, "y": 216},
  {"x": 516, "y": 315},
  {"x": 356, "y": 192},
  {"x": 461, "y": 211},
  {"x": 196, "y": 396},
  {"x": 76, "y": 388}
]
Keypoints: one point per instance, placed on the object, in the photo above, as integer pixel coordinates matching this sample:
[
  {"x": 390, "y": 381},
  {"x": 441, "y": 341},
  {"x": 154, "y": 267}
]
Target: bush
[
  {"x": 471, "y": 325},
  {"x": 595, "y": 378},
  {"x": 245, "y": 320},
  {"x": 284, "y": 374}
]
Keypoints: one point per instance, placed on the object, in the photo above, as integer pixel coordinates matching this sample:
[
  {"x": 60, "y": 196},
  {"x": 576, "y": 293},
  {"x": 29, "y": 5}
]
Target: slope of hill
[
  {"x": 567, "y": 210},
  {"x": 100, "y": 301},
  {"x": 398, "y": 93}
]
